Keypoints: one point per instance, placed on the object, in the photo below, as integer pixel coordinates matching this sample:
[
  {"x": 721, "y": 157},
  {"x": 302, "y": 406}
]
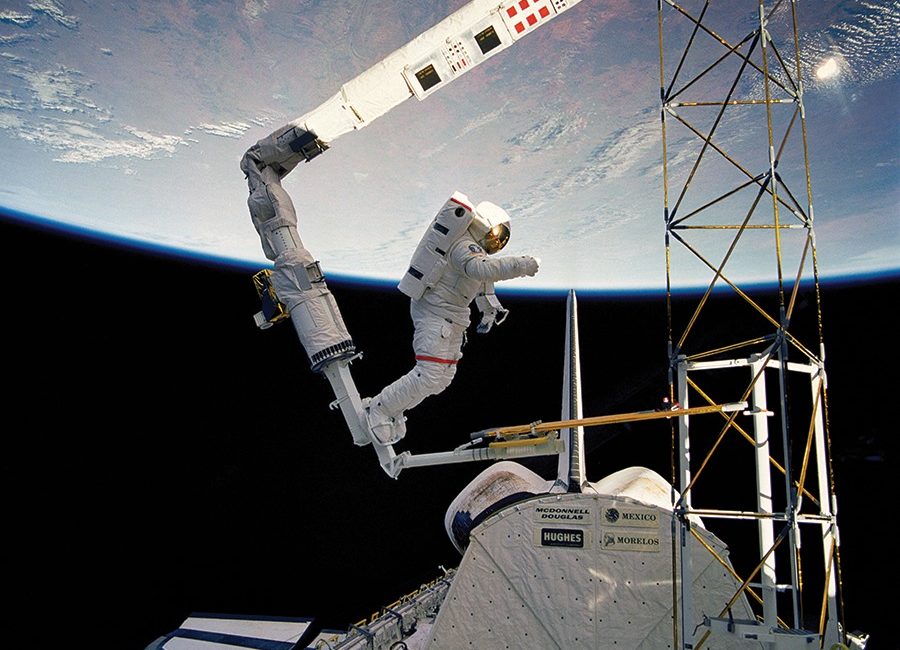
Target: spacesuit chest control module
[{"x": 452, "y": 266}]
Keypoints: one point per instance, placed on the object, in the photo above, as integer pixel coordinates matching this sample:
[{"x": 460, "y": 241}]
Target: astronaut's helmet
[{"x": 490, "y": 226}]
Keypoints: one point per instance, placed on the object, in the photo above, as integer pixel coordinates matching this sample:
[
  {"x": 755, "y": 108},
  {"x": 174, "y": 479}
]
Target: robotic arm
[
  {"x": 296, "y": 287},
  {"x": 464, "y": 39},
  {"x": 297, "y": 279}
]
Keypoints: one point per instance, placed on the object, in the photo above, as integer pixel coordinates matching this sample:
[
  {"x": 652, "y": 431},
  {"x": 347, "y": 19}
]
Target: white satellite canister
[
  {"x": 498, "y": 486},
  {"x": 591, "y": 570}
]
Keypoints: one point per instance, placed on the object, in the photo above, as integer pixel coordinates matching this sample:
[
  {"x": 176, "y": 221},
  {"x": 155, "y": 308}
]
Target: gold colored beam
[{"x": 601, "y": 420}]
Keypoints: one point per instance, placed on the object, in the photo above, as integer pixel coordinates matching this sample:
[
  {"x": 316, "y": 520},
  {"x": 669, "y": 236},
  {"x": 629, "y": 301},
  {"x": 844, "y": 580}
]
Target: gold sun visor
[{"x": 496, "y": 238}]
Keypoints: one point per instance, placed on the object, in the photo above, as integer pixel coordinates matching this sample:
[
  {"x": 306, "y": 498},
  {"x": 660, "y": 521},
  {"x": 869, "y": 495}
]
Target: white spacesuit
[{"x": 451, "y": 267}]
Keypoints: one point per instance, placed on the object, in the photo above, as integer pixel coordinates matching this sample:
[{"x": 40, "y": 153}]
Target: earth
[{"x": 128, "y": 120}]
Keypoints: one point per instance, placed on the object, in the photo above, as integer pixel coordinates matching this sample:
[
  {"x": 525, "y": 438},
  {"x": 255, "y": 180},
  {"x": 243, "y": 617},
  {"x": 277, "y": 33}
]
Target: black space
[{"x": 164, "y": 456}]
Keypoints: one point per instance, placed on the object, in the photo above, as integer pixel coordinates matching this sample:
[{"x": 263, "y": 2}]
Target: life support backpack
[{"x": 429, "y": 261}]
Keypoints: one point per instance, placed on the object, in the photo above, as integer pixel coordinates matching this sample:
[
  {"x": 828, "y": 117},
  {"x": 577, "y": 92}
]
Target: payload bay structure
[
  {"x": 632, "y": 560},
  {"x": 725, "y": 83}
]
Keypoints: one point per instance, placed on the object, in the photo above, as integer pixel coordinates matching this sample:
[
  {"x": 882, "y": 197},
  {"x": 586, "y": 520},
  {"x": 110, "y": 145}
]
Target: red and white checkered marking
[{"x": 521, "y": 16}]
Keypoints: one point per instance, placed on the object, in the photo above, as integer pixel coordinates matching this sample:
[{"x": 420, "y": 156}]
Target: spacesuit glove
[
  {"x": 530, "y": 264},
  {"x": 492, "y": 312},
  {"x": 491, "y": 318}
]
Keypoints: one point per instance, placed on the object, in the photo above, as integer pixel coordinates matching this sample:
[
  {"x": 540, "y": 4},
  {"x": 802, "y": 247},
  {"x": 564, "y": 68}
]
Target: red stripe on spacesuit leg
[{"x": 422, "y": 357}]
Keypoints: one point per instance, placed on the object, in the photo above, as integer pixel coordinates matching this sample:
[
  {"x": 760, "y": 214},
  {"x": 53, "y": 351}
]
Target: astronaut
[{"x": 452, "y": 266}]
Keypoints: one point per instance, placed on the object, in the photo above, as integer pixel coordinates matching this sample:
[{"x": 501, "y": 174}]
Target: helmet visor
[{"x": 496, "y": 238}]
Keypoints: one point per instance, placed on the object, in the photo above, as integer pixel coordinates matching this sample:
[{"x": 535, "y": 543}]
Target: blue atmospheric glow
[{"x": 126, "y": 243}]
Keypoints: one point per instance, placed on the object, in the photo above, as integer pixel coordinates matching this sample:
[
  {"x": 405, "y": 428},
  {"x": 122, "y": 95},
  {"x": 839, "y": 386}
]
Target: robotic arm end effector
[
  {"x": 281, "y": 151},
  {"x": 302, "y": 143}
]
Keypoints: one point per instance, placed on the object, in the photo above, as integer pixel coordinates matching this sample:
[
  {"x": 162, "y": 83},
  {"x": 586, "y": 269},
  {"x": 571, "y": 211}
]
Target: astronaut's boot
[{"x": 383, "y": 429}]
